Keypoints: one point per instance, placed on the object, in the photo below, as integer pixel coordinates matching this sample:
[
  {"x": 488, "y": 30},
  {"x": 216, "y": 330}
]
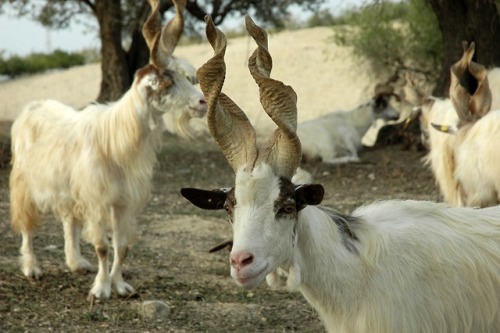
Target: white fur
[
  {"x": 93, "y": 170},
  {"x": 302, "y": 176},
  {"x": 413, "y": 267},
  {"x": 465, "y": 164},
  {"x": 336, "y": 137},
  {"x": 440, "y": 157}
]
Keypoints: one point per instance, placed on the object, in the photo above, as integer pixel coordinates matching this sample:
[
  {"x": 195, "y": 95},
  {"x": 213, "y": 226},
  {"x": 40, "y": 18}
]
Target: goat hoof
[
  {"x": 33, "y": 273},
  {"x": 82, "y": 270},
  {"x": 100, "y": 291},
  {"x": 93, "y": 299},
  {"x": 125, "y": 290}
]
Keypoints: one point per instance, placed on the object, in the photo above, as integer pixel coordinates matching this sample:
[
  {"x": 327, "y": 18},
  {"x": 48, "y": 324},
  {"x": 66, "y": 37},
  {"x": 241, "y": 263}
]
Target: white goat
[
  {"x": 179, "y": 122},
  {"x": 390, "y": 267},
  {"x": 93, "y": 168},
  {"x": 464, "y": 163},
  {"x": 336, "y": 137}
]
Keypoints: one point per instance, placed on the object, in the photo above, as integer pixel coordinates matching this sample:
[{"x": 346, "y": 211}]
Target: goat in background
[
  {"x": 93, "y": 168},
  {"x": 336, "y": 137},
  {"x": 464, "y": 158},
  {"x": 390, "y": 267}
]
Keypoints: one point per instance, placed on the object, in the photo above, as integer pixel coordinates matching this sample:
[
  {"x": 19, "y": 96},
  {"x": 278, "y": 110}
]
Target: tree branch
[{"x": 89, "y": 4}]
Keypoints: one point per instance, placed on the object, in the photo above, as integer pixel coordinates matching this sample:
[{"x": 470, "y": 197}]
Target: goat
[
  {"x": 336, "y": 137},
  {"x": 93, "y": 168},
  {"x": 464, "y": 158},
  {"x": 177, "y": 121},
  {"x": 392, "y": 266}
]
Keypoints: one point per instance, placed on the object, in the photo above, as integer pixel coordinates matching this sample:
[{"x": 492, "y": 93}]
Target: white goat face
[
  {"x": 264, "y": 218},
  {"x": 184, "y": 93},
  {"x": 170, "y": 91},
  {"x": 264, "y": 210},
  {"x": 383, "y": 109},
  {"x": 172, "y": 95}
]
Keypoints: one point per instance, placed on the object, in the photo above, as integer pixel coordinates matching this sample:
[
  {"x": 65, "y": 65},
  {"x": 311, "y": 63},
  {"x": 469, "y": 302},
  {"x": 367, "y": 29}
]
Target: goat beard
[
  {"x": 293, "y": 276},
  {"x": 180, "y": 126}
]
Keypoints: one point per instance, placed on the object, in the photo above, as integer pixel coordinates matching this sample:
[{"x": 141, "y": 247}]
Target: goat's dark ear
[
  {"x": 205, "y": 199},
  {"x": 381, "y": 102},
  {"x": 309, "y": 194}
]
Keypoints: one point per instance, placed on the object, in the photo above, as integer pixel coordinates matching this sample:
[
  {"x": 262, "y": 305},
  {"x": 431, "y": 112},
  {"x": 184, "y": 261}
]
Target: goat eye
[
  {"x": 192, "y": 79},
  {"x": 287, "y": 209},
  {"x": 228, "y": 209}
]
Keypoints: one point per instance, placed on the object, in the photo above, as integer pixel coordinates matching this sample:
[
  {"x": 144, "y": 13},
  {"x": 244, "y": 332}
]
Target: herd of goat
[{"x": 391, "y": 266}]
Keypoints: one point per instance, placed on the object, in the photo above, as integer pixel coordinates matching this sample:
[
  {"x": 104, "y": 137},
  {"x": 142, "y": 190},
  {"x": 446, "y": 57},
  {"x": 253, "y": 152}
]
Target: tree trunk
[
  {"x": 469, "y": 20},
  {"x": 115, "y": 71},
  {"x": 138, "y": 54}
]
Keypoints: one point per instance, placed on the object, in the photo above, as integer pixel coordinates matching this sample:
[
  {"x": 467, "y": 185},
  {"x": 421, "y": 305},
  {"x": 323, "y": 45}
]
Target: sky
[{"x": 22, "y": 36}]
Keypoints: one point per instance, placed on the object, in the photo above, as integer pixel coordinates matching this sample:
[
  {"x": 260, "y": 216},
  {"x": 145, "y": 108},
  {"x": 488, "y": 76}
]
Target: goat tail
[{"x": 24, "y": 214}]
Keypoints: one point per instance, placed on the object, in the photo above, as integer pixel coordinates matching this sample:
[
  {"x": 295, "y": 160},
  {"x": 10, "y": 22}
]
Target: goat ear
[
  {"x": 228, "y": 243},
  {"x": 205, "y": 199},
  {"x": 381, "y": 101},
  {"x": 309, "y": 194}
]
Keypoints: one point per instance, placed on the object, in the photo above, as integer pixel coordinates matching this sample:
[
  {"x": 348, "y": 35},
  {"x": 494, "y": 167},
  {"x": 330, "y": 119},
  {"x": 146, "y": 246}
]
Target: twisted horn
[
  {"x": 227, "y": 123},
  {"x": 283, "y": 150},
  {"x": 480, "y": 102},
  {"x": 161, "y": 44},
  {"x": 152, "y": 26},
  {"x": 172, "y": 32},
  {"x": 470, "y": 107},
  {"x": 460, "y": 97}
]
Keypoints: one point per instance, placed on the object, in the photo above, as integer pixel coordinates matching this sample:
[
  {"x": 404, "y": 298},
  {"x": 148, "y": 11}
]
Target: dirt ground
[{"x": 170, "y": 262}]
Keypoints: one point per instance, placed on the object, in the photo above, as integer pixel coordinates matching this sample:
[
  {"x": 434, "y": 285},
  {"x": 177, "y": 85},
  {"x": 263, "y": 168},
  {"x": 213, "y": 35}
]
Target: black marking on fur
[
  {"x": 346, "y": 225},
  {"x": 286, "y": 199}
]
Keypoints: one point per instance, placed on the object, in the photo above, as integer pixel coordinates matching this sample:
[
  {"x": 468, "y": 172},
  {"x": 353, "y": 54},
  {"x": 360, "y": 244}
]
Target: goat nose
[
  {"x": 203, "y": 101},
  {"x": 241, "y": 259}
]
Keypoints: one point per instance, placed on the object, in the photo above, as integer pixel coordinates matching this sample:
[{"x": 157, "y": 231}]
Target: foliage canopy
[{"x": 394, "y": 37}]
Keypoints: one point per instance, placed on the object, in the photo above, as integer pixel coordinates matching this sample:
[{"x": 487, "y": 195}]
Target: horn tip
[
  {"x": 250, "y": 24},
  {"x": 248, "y": 20}
]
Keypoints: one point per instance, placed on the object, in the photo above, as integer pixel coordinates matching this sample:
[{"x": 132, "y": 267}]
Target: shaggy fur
[
  {"x": 464, "y": 164},
  {"x": 93, "y": 170},
  {"x": 389, "y": 267},
  {"x": 440, "y": 157}
]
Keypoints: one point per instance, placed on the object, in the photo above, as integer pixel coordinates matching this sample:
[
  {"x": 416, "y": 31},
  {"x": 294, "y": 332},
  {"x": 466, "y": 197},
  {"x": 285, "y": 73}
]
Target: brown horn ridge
[
  {"x": 470, "y": 106},
  {"x": 161, "y": 43},
  {"x": 283, "y": 150},
  {"x": 227, "y": 123},
  {"x": 480, "y": 102}
]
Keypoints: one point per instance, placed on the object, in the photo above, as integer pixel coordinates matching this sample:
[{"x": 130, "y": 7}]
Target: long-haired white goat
[
  {"x": 466, "y": 158},
  {"x": 336, "y": 137},
  {"x": 93, "y": 168},
  {"x": 390, "y": 267}
]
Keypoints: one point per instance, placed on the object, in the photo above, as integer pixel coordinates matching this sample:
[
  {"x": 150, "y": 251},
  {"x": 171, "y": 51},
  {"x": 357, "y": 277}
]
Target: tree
[
  {"x": 423, "y": 36},
  {"x": 470, "y": 20},
  {"x": 118, "y": 18},
  {"x": 394, "y": 37}
]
